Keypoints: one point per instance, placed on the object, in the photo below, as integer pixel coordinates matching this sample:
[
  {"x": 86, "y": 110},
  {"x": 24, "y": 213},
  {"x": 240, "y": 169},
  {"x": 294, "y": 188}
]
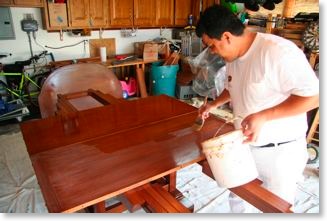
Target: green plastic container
[
  {"x": 231, "y": 6},
  {"x": 163, "y": 78}
]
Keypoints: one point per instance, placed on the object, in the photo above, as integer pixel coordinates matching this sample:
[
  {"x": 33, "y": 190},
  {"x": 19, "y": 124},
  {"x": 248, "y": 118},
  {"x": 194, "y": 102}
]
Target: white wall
[{"x": 19, "y": 48}]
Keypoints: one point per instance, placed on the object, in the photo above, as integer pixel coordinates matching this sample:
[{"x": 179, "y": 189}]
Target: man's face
[{"x": 220, "y": 47}]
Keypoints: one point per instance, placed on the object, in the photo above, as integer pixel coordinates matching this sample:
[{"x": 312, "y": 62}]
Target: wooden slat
[
  {"x": 296, "y": 26},
  {"x": 292, "y": 35},
  {"x": 152, "y": 204},
  {"x": 313, "y": 129},
  {"x": 172, "y": 59},
  {"x": 167, "y": 196},
  {"x": 153, "y": 198},
  {"x": 104, "y": 98},
  {"x": 299, "y": 43},
  {"x": 261, "y": 198},
  {"x": 131, "y": 200},
  {"x": 58, "y": 64},
  {"x": 160, "y": 204},
  {"x": 313, "y": 59}
]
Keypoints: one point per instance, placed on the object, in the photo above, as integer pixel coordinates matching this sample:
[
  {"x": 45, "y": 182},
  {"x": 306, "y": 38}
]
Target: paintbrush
[{"x": 199, "y": 121}]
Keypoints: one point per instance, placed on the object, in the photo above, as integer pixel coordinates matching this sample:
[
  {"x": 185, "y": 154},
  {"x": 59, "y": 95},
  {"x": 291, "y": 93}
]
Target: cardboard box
[
  {"x": 163, "y": 49},
  {"x": 138, "y": 49},
  {"x": 57, "y": 14},
  {"x": 150, "y": 51}
]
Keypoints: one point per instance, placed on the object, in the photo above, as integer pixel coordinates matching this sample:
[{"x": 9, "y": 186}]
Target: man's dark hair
[{"x": 216, "y": 20}]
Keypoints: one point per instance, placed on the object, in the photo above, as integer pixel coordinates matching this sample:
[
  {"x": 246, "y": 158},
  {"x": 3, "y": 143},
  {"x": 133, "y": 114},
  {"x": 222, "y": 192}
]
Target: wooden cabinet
[
  {"x": 121, "y": 13},
  {"x": 207, "y": 3},
  {"x": 153, "y": 13},
  {"x": 183, "y": 8},
  {"x": 5, "y": 2},
  {"x": 99, "y": 12},
  {"x": 141, "y": 13},
  {"x": 21, "y": 3},
  {"x": 144, "y": 12},
  {"x": 164, "y": 13},
  {"x": 88, "y": 13},
  {"x": 118, "y": 14},
  {"x": 28, "y": 2}
]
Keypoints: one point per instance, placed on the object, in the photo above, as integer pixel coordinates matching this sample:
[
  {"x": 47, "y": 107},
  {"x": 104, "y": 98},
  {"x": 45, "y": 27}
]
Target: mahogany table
[{"x": 113, "y": 149}]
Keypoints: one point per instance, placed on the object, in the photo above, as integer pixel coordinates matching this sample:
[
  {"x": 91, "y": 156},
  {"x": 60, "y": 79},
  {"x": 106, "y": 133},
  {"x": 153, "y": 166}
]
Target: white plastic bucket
[{"x": 230, "y": 161}]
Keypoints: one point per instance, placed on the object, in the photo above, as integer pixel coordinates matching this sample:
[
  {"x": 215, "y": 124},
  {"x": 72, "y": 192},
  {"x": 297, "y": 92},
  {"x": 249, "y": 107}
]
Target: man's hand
[
  {"x": 223, "y": 98},
  {"x": 204, "y": 110},
  {"x": 293, "y": 105},
  {"x": 251, "y": 126}
]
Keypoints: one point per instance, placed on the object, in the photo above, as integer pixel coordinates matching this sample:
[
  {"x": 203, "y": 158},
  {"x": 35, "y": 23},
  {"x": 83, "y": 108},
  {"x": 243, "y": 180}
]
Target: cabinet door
[
  {"x": 207, "y": 3},
  {"x": 183, "y": 8},
  {"x": 79, "y": 13},
  {"x": 165, "y": 13},
  {"x": 22, "y": 3},
  {"x": 144, "y": 13},
  {"x": 99, "y": 13},
  {"x": 28, "y": 2},
  {"x": 5, "y": 2},
  {"x": 121, "y": 13}
]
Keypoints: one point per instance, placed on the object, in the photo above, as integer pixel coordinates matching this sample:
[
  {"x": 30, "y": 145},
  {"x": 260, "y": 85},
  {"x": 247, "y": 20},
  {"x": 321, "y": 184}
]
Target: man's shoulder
[{"x": 271, "y": 43}]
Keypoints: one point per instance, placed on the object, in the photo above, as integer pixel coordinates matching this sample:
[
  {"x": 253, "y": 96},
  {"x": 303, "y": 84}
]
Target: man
[{"x": 270, "y": 86}]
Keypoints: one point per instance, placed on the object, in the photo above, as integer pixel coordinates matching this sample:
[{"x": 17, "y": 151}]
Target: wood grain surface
[{"x": 116, "y": 148}]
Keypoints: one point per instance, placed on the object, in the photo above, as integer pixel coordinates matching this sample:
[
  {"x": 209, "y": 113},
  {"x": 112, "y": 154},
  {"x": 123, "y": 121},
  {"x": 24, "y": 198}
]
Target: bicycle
[{"x": 20, "y": 85}]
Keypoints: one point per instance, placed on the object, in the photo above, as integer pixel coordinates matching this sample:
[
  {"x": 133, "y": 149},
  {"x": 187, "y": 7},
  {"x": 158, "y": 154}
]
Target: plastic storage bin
[{"x": 163, "y": 78}]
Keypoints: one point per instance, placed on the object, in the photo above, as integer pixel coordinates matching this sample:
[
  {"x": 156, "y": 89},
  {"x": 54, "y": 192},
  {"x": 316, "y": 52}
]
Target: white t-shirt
[{"x": 271, "y": 70}]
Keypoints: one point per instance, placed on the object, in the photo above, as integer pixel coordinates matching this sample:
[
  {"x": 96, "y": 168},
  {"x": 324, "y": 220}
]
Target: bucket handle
[{"x": 228, "y": 120}]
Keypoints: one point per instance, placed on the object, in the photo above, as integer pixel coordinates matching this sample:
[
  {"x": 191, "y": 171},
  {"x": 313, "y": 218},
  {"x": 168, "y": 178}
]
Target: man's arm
[
  {"x": 223, "y": 98},
  {"x": 293, "y": 105}
]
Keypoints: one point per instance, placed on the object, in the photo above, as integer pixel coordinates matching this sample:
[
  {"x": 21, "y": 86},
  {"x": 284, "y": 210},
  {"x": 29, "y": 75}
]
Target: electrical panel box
[{"x": 6, "y": 25}]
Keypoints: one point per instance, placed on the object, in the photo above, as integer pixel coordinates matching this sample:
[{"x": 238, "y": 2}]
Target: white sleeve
[{"x": 294, "y": 74}]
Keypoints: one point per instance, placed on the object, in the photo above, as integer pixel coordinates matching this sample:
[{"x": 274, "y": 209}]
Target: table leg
[
  {"x": 141, "y": 81},
  {"x": 172, "y": 182}
]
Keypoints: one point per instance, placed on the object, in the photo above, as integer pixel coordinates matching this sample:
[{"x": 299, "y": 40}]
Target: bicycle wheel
[{"x": 313, "y": 153}]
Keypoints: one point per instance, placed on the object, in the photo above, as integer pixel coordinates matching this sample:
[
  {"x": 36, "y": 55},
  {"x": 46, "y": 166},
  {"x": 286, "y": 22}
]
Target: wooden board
[{"x": 109, "y": 43}]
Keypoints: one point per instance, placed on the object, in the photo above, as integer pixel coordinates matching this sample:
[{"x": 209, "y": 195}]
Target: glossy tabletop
[{"x": 113, "y": 149}]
